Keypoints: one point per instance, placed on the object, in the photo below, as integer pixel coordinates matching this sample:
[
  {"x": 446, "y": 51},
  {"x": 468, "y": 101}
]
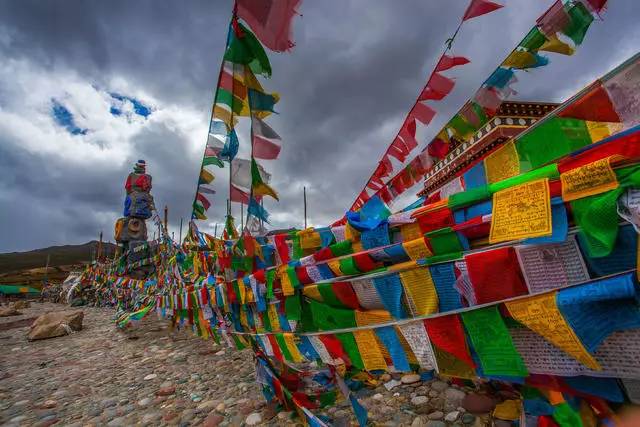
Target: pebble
[
  {"x": 419, "y": 400},
  {"x": 410, "y": 378},
  {"x": 212, "y": 420},
  {"x": 150, "y": 377},
  {"x": 392, "y": 384},
  {"x": 21, "y": 403},
  {"x": 145, "y": 402},
  {"x": 436, "y": 415},
  {"x": 221, "y": 407},
  {"x": 478, "y": 403},
  {"x": 166, "y": 391},
  {"x": 452, "y": 416},
  {"x": 468, "y": 418},
  {"x": 439, "y": 386},
  {"x": 434, "y": 423},
  {"x": 454, "y": 395},
  {"x": 253, "y": 419}
]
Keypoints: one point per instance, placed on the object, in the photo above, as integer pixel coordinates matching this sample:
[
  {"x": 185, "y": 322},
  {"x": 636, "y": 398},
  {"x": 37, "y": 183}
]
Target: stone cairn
[{"x": 131, "y": 230}]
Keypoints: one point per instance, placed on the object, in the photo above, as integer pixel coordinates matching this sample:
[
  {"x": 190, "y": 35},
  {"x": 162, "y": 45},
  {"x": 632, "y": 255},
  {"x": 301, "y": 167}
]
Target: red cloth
[
  {"x": 546, "y": 421},
  {"x": 323, "y": 254},
  {"x": 438, "y": 149},
  {"x": 345, "y": 293},
  {"x": 398, "y": 149},
  {"x": 436, "y": 220},
  {"x": 595, "y": 106},
  {"x": 270, "y": 20},
  {"x": 422, "y": 112},
  {"x": 334, "y": 347},
  {"x": 447, "y": 62},
  {"x": 495, "y": 275},
  {"x": 437, "y": 87},
  {"x": 238, "y": 196},
  {"x": 281, "y": 247},
  {"x": 260, "y": 276},
  {"x": 447, "y": 334},
  {"x": 303, "y": 276},
  {"x": 627, "y": 145},
  {"x": 276, "y": 347},
  {"x": 474, "y": 228},
  {"x": 408, "y": 134},
  {"x": 480, "y": 7},
  {"x": 364, "y": 263}
]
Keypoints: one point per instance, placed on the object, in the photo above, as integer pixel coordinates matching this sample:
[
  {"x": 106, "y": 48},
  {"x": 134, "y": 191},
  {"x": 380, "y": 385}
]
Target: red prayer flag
[
  {"x": 334, "y": 347},
  {"x": 270, "y": 20},
  {"x": 447, "y": 334},
  {"x": 480, "y": 7},
  {"x": 438, "y": 87},
  {"x": 408, "y": 134},
  {"x": 238, "y": 196},
  {"x": 438, "y": 149},
  {"x": 447, "y": 62},
  {"x": 345, "y": 293},
  {"x": 422, "y": 112},
  {"x": 205, "y": 203},
  {"x": 594, "y": 106},
  {"x": 398, "y": 149},
  {"x": 495, "y": 275}
]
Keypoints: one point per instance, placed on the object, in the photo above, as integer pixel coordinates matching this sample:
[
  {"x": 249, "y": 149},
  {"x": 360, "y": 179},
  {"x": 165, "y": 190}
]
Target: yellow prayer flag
[
  {"x": 351, "y": 233},
  {"x": 274, "y": 319},
  {"x": 357, "y": 246},
  {"x": 593, "y": 178},
  {"x": 508, "y": 410},
  {"x": 312, "y": 291},
  {"x": 502, "y": 163},
  {"x": 421, "y": 291},
  {"x": 243, "y": 318},
  {"x": 372, "y": 317},
  {"x": 285, "y": 282},
  {"x": 417, "y": 249},
  {"x": 309, "y": 239},
  {"x": 600, "y": 130},
  {"x": 410, "y": 231},
  {"x": 402, "y": 266},
  {"x": 293, "y": 348},
  {"x": 521, "y": 212},
  {"x": 369, "y": 349},
  {"x": 541, "y": 314},
  {"x": 334, "y": 265},
  {"x": 221, "y": 113},
  {"x": 554, "y": 44},
  {"x": 519, "y": 59}
]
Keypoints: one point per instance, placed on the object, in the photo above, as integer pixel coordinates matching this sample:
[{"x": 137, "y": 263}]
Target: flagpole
[
  {"x": 304, "y": 197},
  {"x": 213, "y": 106}
]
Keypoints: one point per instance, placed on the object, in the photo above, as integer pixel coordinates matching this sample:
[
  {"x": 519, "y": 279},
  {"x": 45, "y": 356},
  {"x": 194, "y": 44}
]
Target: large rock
[
  {"x": 9, "y": 311},
  {"x": 478, "y": 403},
  {"x": 56, "y": 324}
]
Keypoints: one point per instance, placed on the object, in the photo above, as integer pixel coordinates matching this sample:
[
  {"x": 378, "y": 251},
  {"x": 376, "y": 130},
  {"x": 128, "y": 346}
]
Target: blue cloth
[
  {"x": 326, "y": 236},
  {"x": 597, "y": 309},
  {"x": 479, "y": 209},
  {"x": 537, "y": 407},
  {"x": 389, "y": 338},
  {"x": 230, "y": 148},
  {"x": 397, "y": 254},
  {"x": 499, "y": 78},
  {"x": 559, "y": 225},
  {"x": 358, "y": 409},
  {"x": 475, "y": 177},
  {"x": 389, "y": 289},
  {"x": 444, "y": 279},
  {"x": 606, "y": 388},
  {"x": 257, "y": 211},
  {"x": 622, "y": 258},
  {"x": 414, "y": 205},
  {"x": 377, "y": 237},
  {"x": 370, "y": 216},
  {"x": 306, "y": 348},
  {"x": 325, "y": 271}
]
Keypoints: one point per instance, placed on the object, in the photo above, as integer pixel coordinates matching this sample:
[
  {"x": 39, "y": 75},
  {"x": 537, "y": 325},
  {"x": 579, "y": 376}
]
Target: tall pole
[
  {"x": 180, "y": 238},
  {"x": 241, "y": 218},
  {"x": 215, "y": 231},
  {"x": 99, "y": 247},
  {"x": 304, "y": 196},
  {"x": 166, "y": 218}
]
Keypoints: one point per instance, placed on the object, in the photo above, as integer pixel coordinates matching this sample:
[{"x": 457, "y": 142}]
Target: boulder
[
  {"x": 478, "y": 403},
  {"x": 56, "y": 324},
  {"x": 9, "y": 311}
]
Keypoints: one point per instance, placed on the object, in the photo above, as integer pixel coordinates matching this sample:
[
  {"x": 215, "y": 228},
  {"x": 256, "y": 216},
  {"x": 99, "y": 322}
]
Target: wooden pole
[
  {"x": 241, "y": 218},
  {"x": 304, "y": 196},
  {"x": 166, "y": 218},
  {"x": 215, "y": 230},
  {"x": 99, "y": 247},
  {"x": 180, "y": 238}
]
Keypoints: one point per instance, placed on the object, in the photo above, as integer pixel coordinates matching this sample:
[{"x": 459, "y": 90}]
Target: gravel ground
[{"x": 153, "y": 376}]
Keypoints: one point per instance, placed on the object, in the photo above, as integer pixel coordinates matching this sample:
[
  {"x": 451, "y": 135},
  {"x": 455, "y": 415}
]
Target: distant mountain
[{"x": 58, "y": 256}]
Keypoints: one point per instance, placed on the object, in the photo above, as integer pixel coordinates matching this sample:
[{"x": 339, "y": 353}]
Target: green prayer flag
[
  {"x": 533, "y": 40},
  {"x": 348, "y": 266},
  {"x": 579, "y": 21},
  {"x": 597, "y": 215},
  {"x": 327, "y": 399},
  {"x": 341, "y": 248},
  {"x": 246, "y": 49},
  {"x": 266, "y": 322},
  {"x": 566, "y": 416},
  {"x": 444, "y": 241},
  {"x": 350, "y": 347},
  {"x": 238, "y": 343},
  {"x": 492, "y": 343},
  {"x": 270, "y": 276},
  {"x": 461, "y": 127},
  {"x": 283, "y": 347},
  {"x": 327, "y": 318},
  {"x": 469, "y": 197},
  {"x": 292, "y": 307},
  {"x": 552, "y": 139},
  {"x": 328, "y": 296},
  {"x": 212, "y": 160}
]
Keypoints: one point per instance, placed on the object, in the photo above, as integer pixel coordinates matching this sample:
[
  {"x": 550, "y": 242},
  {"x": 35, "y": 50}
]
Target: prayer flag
[
  {"x": 480, "y": 7},
  {"x": 258, "y": 185},
  {"x": 266, "y": 142},
  {"x": 270, "y": 20}
]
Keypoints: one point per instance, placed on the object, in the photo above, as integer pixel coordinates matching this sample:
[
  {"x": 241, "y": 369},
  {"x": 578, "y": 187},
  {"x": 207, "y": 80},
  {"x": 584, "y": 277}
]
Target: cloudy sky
[{"x": 88, "y": 87}]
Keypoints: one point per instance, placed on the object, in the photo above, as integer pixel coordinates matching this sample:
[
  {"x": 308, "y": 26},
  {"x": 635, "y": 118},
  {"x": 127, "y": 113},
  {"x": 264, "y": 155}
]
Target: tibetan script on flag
[
  {"x": 587, "y": 180},
  {"x": 521, "y": 212}
]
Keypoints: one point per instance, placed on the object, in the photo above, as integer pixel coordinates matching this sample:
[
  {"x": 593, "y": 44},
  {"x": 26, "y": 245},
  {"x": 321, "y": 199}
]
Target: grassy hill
[{"x": 28, "y": 267}]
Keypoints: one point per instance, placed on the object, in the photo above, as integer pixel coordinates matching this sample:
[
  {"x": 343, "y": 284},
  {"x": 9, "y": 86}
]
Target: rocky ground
[{"x": 152, "y": 376}]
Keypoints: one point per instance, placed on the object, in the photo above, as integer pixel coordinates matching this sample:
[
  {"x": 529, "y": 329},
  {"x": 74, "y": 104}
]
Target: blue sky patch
[
  {"x": 138, "y": 107},
  {"x": 63, "y": 117}
]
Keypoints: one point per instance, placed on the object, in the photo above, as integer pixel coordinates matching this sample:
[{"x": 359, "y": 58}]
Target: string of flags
[
  {"x": 524, "y": 272},
  {"x": 561, "y": 29}
]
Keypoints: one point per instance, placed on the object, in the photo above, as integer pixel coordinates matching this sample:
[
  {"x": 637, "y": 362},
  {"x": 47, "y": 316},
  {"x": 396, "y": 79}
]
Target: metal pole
[
  {"x": 215, "y": 230},
  {"x": 241, "y": 218},
  {"x": 180, "y": 238},
  {"x": 166, "y": 218},
  {"x": 304, "y": 196},
  {"x": 99, "y": 246}
]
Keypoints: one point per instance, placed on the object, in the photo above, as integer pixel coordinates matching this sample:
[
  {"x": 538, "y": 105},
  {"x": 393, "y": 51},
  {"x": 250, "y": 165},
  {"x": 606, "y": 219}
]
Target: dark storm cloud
[{"x": 346, "y": 87}]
